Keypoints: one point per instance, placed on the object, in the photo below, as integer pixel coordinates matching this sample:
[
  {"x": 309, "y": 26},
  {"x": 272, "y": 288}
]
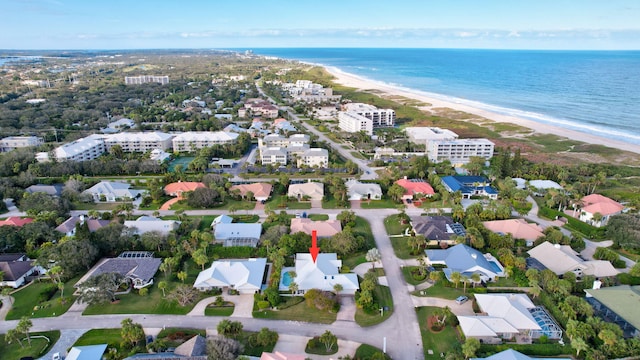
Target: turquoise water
[
  {"x": 495, "y": 267},
  {"x": 596, "y": 92},
  {"x": 286, "y": 279}
]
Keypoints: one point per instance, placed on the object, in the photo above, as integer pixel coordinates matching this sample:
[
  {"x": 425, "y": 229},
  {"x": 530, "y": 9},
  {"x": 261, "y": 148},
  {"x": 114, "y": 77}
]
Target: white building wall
[
  {"x": 459, "y": 151},
  {"x": 352, "y": 122}
]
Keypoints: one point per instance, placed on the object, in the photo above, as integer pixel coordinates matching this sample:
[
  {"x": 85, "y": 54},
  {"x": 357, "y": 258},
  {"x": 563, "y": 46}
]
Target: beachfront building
[
  {"x": 14, "y": 142},
  {"x": 84, "y": 149},
  {"x": 459, "y": 151},
  {"x": 276, "y": 140},
  {"x": 143, "y": 79},
  {"x": 353, "y": 123},
  {"x": 380, "y": 118},
  {"x": 307, "y": 91},
  {"x": 322, "y": 274},
  {"x": 423, "y": 135},
  {"x": 139, "y": 142},
  {"x": 196, "y": 140}
]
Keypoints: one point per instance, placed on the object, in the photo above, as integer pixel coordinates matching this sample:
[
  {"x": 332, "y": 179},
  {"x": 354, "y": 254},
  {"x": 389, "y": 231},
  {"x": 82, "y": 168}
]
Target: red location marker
[{"x": 314, "y": 249}]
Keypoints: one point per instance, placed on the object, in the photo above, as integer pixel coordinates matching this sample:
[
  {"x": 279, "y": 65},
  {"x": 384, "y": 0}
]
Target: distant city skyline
[{"x": 494, "y": 24}]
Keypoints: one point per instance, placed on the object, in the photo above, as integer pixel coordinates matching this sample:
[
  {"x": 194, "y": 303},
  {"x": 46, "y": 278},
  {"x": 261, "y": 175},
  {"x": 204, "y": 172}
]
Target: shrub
[
  {"x": 47, "y": 293},
  {"x": 627, "y": 279},
  {"x": 263, "y": 304},
  {"x": 143, "y": 292}
]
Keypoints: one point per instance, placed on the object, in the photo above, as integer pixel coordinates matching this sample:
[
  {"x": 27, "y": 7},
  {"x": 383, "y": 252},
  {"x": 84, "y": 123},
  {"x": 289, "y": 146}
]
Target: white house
[
  {"x": 598, "y": 204},
  {"x": 323, "y": 274},
  {"x": 245, "y": 276},
  {"x": 112, "y": 191},
  {"x": 14, "y": 142},
  {"x": 16, "y": 268},
  {"x": 238, "y": 234},
  {"x": 145, "y": 224},
  {"x": 562, "y": 258},
  {"x": 357, "y": 190},
  {"x": 466, "y": 261}
]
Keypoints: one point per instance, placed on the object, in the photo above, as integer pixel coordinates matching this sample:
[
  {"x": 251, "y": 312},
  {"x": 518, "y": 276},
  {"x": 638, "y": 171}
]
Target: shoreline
[{"x": 361, "y": 83}]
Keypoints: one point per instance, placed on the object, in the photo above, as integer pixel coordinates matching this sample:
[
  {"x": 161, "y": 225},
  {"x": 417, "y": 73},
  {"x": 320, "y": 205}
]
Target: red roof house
[
  {"x": 415, "y": 187},
  {"x": 178, "y": 188},
  {"x": 15, "y": 221}
]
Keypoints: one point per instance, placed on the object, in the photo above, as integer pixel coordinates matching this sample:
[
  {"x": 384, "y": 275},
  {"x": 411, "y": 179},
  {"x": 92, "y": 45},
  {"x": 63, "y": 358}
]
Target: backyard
[
  {"x": 34, "y": 300},
  {"x": 298, "y": 312},
  {"x": 41, "y": 342},
  {"x": 442, "y": 342}
]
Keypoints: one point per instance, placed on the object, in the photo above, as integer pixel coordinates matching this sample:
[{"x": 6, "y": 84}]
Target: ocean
[{"x": 597, "y": 92}]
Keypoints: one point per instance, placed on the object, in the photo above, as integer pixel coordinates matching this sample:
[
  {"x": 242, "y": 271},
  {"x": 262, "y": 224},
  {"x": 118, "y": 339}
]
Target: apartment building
[
  {"x": 143, "y": 79},
  {"x": 194, "y": 140},
  {"x": 459, "y": 151},
  {"x": 314, "y": 157},
  {"x": 273, "y": 156},
  {"x": 272, "y": 140},
  {"x": 422, "y": 135},
  {"x": 379, "y": 117},
  {"x": 140, "y": 141},
  {"x": 353, "y": 123},
  {"x": 259, "y": 107},
  {"x": 84, "y": 149},
  {"x": 13, "y": 142}
]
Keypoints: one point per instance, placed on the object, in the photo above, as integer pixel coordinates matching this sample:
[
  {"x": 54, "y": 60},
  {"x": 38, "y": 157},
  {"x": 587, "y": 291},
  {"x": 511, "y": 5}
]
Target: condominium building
[
  {"x": 272, "y": 140},
  {"x": 315, "y": 157},
  {"x": 307, "y": 91},
  {"x": 143, "y": 79},
  {"x": 459, "y": 151},
  {"x": 273, "y": 155},
  {"x": 353, "y": 123},
  {"x": 13, "y": 142},
  {"x": 139, "y": 141},
  {"x": 259, "y": 107},
  {"x": 84, "y": 149},
  {"x": 422, "y": 135},
  {"x": 194, "y": 140},
  {"x": 379, "y": 117}
]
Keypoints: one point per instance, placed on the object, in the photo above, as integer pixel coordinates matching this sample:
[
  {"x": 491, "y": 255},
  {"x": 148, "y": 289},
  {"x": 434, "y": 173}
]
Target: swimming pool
[
  {"x": 286, "y": 279},
  {"x": 495, "y": 267}
]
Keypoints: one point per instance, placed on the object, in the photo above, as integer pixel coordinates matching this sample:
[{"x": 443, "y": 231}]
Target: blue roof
[
  {"x": 460, "y": 258},
  {"x": 469, "y": 180},
  {"x": 89, "y": 352},
  {"x": 465, "y": 184},
  {"x": 452, "y": 183}
]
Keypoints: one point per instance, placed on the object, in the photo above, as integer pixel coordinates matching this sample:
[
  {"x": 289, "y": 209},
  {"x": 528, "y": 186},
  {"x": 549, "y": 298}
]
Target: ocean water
[{"x": 590, "y": 91}]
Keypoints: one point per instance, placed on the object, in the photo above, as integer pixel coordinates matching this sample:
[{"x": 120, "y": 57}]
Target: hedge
[{"x": 590, "y": 231}]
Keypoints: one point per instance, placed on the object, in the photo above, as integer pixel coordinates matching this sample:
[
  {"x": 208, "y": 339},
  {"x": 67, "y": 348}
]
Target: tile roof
[
  {"x": 16, "y": 221},
  {"x": 596, "y": 203},
  {"x": 562, "y": 258},
  {"x": 325, "y": 228},
  {"x": 258, "y": 189},
  {"x": 71, "y": 222},
  {"x": 415, "y": 186},
  {"x": 315, "y": 190},
  {"x": 196, "y": 346},
  {"x": 177, "y": 188},
  {"x": 518, "y": 228},
  {"x": 436, "y": 227}
]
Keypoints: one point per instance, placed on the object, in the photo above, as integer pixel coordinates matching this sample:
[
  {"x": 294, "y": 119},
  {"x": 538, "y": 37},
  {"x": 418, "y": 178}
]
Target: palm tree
[
  {"x": 338, "y": 288},
  {"x": 455, "y": 278},
  {"x": 475, "y": 277}
]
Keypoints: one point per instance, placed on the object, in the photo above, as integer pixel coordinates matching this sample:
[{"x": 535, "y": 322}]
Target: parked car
[
  {"x": 56, "y": 356},
  {"x": 461, "y": 299}
]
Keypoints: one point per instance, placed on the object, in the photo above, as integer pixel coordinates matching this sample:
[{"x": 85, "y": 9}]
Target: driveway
[
  {"x": 67, "y": 339},
  {"x": 293, "y": 344},
  {"x": 243, "y": 305},
  {"x": 316, "y": 204},
  {"x": 347, "y": 308},
  {"x": 457, "y": 309}
]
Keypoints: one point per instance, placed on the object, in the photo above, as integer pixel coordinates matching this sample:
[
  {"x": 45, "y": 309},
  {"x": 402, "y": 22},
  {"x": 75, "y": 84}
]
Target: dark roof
[
  {"x": 195, "y": 346},
  {"x": 134, "y": 268},
  {"x": 71, "y": 222},
  {"x": 53, "y": 190},
  {"x": 434, "y": 227},
  {"x": 13, "y": 257},
  {"x": 15, "y": 270}
]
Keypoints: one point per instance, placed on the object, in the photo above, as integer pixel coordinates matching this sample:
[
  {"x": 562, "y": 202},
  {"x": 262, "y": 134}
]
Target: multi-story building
[
  {"x": 353, "y": 123},
  {"x": 380, "y": 117},
  {"x": 139, "y": 141},
  {"x": 315, "y": 157},
  {"x": 84, "y": 149},
  {"x": 194, "y": 140},
  {"x": 422, "y": 135},
  {"x": 273, "y": 155},
  {"x": 259, "y": 107},
  {"x": 13, "y": 142},
  {"x": 272, "y": 140},
  {"x": 143, "y": 79},
  {"x": 307, "y": 91},
  {"x": 459, "y": 151}
]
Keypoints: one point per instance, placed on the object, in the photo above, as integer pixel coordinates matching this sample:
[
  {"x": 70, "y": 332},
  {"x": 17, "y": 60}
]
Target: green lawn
[
  {"x": 219, "y": 310},
  {"x": 355, "y": 260},
  {"x": 39, "y": 346},
  {"x": 319, "y": 217},
  {"x": 442, "y": 342},
  {"x": 281, "y": 202},
  {"x": 298, "y": 312},
  {"x": 94, "y": 206},
  {"x": 26, "y": 301},
  {"x": 363, "y": 228},
  {"x": 379, "y": 204},
  {"x": 409, "y": 278},
  {"x": 333, "y": 204},
  {"x": 382, "y": 297},
  {"x": 242, "y": 219},
  {"x": 443, "y": 292},
  {"x": 153, "y": 303},
  {"x": 401, "y": 247},
  {"x": 393, "y": 225},
  {"x": 113, "y": 337},
  {"x": 238, "y": 204}
]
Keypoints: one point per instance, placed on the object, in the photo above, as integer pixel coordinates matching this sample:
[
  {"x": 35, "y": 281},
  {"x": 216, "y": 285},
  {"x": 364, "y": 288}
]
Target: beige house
[
  {"x": 325, "y": 228},
  {"x": 561, "y": 259},
  {"x": 261, "y": 191},
  {"x": 518, "y": 228},
  {"x": 312, "y": 190}
]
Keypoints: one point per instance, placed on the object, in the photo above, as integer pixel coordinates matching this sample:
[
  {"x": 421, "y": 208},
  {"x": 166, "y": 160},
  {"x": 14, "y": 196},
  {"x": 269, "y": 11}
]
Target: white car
[{"x": 56, "y": 356}]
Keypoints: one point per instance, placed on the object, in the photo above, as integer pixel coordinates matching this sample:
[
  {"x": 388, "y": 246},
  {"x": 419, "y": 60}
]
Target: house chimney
[{"x": 81, "y": 219}]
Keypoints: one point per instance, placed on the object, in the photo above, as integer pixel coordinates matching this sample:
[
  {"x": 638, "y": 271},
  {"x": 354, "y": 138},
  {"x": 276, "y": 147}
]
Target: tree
[
  {"x": 182, "y": 276},
  {"x": 475, "y": 277},
  {"x": 24, "y": 326},
  {"x": 329, "y": 340},
  {"x": 222, "y": 348},
  {"x": 184, "y": 294},
  {"x": 100, "y": 289},
  {"x": 470, "y": 346},
  {"x": 337, "y": 288},
  {"x": 14, "y": 335},
  {"x": 396, "y": 192},
  {"x": 162, "y": 285},
  {"x": 229, "y": 328},
  {"x": 347, "y": 217},
  {"x": 608, "y": 337},
  {"x": 456, "y": 277},
  {"x": 373, "y": 255},
  {"x": 293, "y": 287},
  {"x": 131, "y": 332},
  {"x": 635, "y": 270},
  {"x": 579, "y": 345},
  {"x": 265, "y": 337}
]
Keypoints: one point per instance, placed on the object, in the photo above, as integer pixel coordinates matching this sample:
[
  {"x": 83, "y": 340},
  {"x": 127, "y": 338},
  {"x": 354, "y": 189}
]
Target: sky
[{"x": 494, "y": 24}]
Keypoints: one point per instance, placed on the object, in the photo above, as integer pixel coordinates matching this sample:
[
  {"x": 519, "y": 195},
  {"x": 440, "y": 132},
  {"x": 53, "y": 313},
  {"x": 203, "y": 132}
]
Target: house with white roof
[
  {"x": 222, "y": 219},
  {"x": 323, "y": 274},
  {"x": 357, "y": 190},
  {"x": 112, "y": 191},
  {"x": 14, "y": 142},
  {"x": 119, "y": 125},
  {"x": 311, "y": 190},
  {"x": 145, "y": 224},
  {"x": 562, "y": 258},
  {"x": 159, "y": 155},
  {"x": 505, "y": 316},
  {"x": 466, "y": 261},
  {"x": 88, "y": 352},
  {"x": 139, "y": 142},
  {"x": 541, "y": 185},
  {"x": 245, "y": 276},
  {"x": 238, "y": 234},
  {"x": 314, "y": 157},
  {"x": 511, "y": 354}
]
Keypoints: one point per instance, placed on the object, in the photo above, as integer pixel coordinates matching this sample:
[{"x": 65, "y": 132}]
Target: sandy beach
[{"x": 358, "y": 82}]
